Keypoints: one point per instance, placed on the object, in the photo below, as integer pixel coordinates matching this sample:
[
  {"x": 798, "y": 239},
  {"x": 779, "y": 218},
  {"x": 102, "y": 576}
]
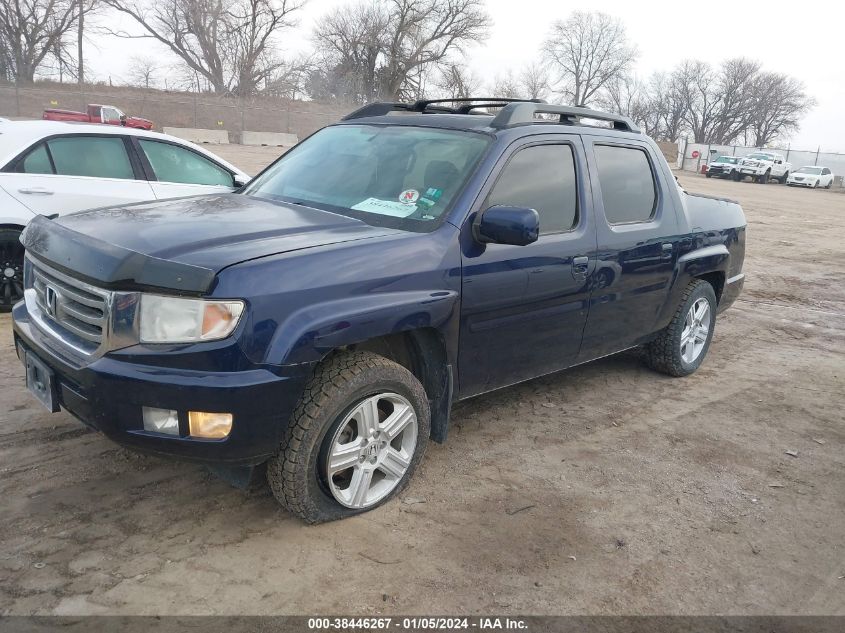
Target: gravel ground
[{"x": 603, "y": 489}]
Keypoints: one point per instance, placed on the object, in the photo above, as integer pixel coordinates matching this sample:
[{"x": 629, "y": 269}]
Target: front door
[
  {"x": 523, "y": 308},
  {"x": 179, "y": 171}
]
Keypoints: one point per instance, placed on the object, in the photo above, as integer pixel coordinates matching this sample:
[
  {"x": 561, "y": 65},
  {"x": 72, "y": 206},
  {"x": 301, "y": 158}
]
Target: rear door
[
  {"x": 638, "y": 245},
  {"x": 73, "y": 172},
  {"x": 175, "y": 170},
  {"x": 523, "y": 308}
]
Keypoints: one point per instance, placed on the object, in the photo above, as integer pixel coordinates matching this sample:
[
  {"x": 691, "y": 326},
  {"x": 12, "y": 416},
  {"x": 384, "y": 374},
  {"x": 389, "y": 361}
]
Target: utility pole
[{"x": 81, "y": 66}]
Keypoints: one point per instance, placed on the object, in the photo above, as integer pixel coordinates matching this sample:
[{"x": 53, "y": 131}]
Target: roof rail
[
  {"x": 522, "y": 113},
  {"x": 427, "y": 106}
]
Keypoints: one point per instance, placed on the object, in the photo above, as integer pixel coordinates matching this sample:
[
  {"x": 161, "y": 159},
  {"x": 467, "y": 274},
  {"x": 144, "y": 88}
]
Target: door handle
[
  {"x": 36, "y": 191},
  {"x": 580, "y": 265},
  {"x": 667, "y": 249}
]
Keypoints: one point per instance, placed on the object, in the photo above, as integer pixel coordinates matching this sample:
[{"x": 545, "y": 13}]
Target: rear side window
[
  {"x": 36, "y": 162},
  {"x": 171, "y": 163},
  {"x": 627, "y": 184},
  {"x": 542, "y": 178},
  {"x": 94, "y": 156}
]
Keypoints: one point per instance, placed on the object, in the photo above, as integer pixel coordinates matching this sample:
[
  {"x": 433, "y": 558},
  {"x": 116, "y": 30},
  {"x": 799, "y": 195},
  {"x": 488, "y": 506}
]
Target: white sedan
[
  {"x": 811, "y": 177},
  {"x": 53, "y": 168}
]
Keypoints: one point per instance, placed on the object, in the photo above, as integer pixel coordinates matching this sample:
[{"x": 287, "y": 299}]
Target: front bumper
[
  {"x": 801, "y": 183},
  {"x": 107, "y": 394}
]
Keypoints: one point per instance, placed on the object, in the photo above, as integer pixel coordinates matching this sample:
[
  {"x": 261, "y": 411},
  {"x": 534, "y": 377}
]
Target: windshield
[
  {"x": 726, "y": 159},
  {"x": 816, "y": 171},
  {"x": 762, "y": 156},
  {"x": 399, "y": 176}
]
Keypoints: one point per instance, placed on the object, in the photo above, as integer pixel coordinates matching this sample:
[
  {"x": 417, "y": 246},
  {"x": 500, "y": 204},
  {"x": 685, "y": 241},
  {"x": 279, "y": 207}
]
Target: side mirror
[
  {"x": 239, "y": 181},
  {"x": 507, "y": 225}
]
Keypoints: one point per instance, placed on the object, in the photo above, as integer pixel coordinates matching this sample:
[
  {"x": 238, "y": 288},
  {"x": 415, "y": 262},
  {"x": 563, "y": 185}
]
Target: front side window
[
  {"x": 541, "y": 177},
  {"x": 172, "y": 163},
  {"x": 627, "y": 184},
  {"x": 401, "y": 176},
  {"x": 94, "y": 156}
]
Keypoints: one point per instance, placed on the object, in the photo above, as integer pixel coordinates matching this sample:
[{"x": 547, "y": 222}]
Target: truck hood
[{"x": 181, "y": 244}]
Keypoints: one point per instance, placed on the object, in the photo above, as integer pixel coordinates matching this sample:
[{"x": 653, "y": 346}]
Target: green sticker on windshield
[{"x": 433, "y": 192}]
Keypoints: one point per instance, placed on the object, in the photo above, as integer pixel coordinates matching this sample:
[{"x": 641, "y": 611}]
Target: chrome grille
[{"x": 72, "y": 310}]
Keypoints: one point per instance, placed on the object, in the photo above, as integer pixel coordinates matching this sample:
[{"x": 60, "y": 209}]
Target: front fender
[{"x": 308, "y": 334}]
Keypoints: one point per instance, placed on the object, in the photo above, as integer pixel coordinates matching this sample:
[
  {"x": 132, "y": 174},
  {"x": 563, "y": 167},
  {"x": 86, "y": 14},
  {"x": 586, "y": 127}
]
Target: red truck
[{"x": 96, "y": 113}]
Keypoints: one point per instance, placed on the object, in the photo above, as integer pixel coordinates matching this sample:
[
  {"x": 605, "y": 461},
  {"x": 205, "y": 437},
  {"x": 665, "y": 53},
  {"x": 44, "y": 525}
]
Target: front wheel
[
  {"x": 764, "y": 179},
  {"x": 354, "y": 440},
  {"x": 735, "y": 176},
  {"x": 783, "y": 178},
  {"x": 11, "y": 259},
  {"x": 680, "y": 348}
]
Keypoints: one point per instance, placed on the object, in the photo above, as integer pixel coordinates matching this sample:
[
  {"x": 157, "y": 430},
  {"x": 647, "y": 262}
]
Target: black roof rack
[
  {"x": 434, "y": 106},
  {"x": 522, "y": 113},
  {"x": 513, "y": 111}
]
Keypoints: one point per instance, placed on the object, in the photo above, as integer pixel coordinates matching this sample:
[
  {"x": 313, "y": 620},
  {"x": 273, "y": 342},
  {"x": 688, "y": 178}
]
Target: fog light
[
  {"x": 213, "y": 426},
  {"x": 161, "y": 420}
]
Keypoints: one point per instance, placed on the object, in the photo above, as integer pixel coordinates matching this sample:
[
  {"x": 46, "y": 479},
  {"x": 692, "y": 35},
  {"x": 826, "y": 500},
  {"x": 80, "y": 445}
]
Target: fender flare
[
  {"x": 698, "y": 262},
  {"x": 313, "y": 331}
]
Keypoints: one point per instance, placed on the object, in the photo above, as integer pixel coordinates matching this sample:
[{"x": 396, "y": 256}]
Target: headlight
[{"x": 179, "y": 320}]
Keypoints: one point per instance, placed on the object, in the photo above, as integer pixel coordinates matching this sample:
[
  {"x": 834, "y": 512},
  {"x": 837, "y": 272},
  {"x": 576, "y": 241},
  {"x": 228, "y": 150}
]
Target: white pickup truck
[{"x": 762, "y": 166}]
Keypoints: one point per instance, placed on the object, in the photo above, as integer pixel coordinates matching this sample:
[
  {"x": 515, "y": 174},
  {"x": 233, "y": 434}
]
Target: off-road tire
[
  {"x": 338, "y": 384},
  {"x": 782, "y": 179},
  {"x": 735, "y": 176},
  {"x": 663, "y": 354},
  {"x": 764, "y": 179}
]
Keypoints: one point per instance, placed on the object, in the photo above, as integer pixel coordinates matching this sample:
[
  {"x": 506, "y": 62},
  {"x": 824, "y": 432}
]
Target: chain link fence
[
  {"x": 175, "y": 109},
  {"x": 693, "y": 156}
]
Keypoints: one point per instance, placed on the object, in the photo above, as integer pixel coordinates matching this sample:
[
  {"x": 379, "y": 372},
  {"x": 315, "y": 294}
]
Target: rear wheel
[
  {"x": 680, "y": 348},
  {"x": 354, "y": 440},
  {"x": 11, "y": 273}
]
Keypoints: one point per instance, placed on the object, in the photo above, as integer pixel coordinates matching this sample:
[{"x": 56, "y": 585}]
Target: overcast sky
[{"x": 801, "y": 39}]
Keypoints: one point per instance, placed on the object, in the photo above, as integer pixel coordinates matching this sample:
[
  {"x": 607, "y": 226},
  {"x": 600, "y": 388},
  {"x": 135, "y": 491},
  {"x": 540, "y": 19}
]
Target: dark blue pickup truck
[{"x": 320, "y": 323}]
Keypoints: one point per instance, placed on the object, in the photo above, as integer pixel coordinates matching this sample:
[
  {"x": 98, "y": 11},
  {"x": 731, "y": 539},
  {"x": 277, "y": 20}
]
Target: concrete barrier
[
  {"x": 195, "y": 135},
  {"x": 271, "y": 139}
]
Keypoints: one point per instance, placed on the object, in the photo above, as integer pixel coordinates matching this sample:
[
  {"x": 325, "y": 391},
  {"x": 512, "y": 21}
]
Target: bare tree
[
  {"x": 456, "y": 81},
  {"x": 587, "y": 51},
  {"x": 228, "y": 44},
  {"x": 290, "y": 79},
  {"x": 779, "y": 103},
  {"x": 534, "y": 81},
  {"x": 387, "y": 49},
  {"x": 142, "y": 71},
  {"x": 506, "y": 86},
  {"x": 33, "y": 30}
]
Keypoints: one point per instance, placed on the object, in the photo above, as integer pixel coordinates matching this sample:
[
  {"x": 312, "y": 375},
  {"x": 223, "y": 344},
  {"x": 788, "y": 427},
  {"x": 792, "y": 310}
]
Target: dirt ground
[{"x": 603, "y": 489}]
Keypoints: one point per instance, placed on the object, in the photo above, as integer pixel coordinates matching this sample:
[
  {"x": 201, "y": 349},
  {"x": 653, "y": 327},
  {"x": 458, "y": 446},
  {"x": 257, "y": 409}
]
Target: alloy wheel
[
  {"x": 11, "y": 272},
  {"x": 696, "y": 329},
  {"x": 371, "y": 450}
]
